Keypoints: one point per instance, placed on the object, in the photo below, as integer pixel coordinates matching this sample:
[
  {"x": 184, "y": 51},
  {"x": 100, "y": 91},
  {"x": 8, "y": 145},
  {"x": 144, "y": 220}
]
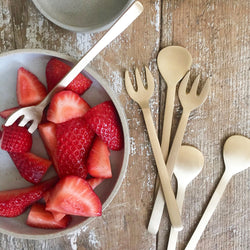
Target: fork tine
[
  {"x": 129, "y": 86},
  {"x": 33, "y": 127},
  {"x": 23, "y": 122},
  {"x": 195, "y": 85},
  {"x": 139, "y": 82},
  {"x": 150, "y": 80},
  {"x": 205, "y": 90},
  {"x": 13, "y": 118},
  {"x": 183, "y": 85}
]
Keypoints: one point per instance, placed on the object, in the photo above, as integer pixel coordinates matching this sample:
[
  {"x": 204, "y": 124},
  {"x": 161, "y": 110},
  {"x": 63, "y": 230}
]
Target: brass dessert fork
[
  {"x": 142, "y": 95},
  {"x": 33, "y": 114}
]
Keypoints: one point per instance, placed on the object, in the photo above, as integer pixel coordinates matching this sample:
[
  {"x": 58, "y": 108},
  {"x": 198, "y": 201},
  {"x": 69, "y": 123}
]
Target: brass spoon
[{"x": 236, "y": 155}]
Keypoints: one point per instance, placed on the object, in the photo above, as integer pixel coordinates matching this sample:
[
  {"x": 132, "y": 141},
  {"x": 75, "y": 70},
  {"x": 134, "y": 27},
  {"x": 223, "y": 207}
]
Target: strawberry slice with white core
[
  {"x": 39, "y": 217},
  {"x": 73, "y": 195},
  {"x": 30, "y": 90},
  {"x": 65, "y": 106},
  {"x": 98, "y": 162}
]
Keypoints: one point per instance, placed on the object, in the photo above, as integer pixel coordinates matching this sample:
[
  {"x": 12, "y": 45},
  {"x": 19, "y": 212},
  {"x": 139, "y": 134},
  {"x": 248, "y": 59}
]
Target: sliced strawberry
[
  {"x": 7, "y": 112},
  {"x": 16, "y": 139},
  {"x": 66, "y": 105},
  {"x": 14, "y": 202},
  {"x": 56, "y": 70},
  {"x": 57, "y": 216},
  {"x": 98, "y": 162},
  {"x": 94, "y": 182},
  {"x": 39, "y": 217},
  {"x": 104, "y": 120},
  {"x": 30, "y": 166},
  {"x": 30, "y": 90},
  {"x": 74, "y": 140},
  {"x": 48, "y": 134},
  {"x": 73, "y": 195}
]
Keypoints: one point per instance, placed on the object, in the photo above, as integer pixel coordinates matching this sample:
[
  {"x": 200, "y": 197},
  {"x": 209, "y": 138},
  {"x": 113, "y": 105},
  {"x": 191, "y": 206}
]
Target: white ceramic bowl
[
  {"x": 35, "y": 61},
  {"x": 82, "y": 15}
]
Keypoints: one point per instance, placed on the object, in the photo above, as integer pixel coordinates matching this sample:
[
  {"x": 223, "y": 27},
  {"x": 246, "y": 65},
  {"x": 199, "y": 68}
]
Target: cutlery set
[{"x": 185, "y": 162}]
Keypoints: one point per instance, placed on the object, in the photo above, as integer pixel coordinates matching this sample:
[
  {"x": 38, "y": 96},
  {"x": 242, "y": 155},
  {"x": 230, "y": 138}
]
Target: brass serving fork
[
  {"x": 33, "y": 114},
  {"x": 142, "y": 95},
  {"x": 189, "y": 102}
]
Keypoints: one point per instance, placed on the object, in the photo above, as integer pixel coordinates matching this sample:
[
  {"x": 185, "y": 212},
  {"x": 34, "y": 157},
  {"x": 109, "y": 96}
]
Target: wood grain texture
[{"x": 217, "y": 35}]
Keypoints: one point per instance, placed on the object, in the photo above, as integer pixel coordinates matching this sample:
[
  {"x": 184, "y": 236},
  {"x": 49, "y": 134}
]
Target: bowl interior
[
  {"x": 81, "y": 15},
  {"x": 35, "y": 61}
]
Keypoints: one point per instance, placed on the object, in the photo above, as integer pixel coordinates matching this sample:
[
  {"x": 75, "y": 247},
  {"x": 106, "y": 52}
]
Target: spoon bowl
[
  {"x": 174, "y": 62},
  {"x": 188, "y": 165},
  {"x": 236, "y": 154}
]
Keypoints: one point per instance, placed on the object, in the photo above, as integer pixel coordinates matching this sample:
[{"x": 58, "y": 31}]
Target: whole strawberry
[
  {"x": 104, "y": 120},
  {"x": 16, "y": 139},
  {"x": 74, "y": 140}
]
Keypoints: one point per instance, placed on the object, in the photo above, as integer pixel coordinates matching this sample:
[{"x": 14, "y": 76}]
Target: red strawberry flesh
[
  {"x": 30, "y": 90},
  {"x": 56, "y": 70},
  {"x": 31, "y": 167},
  {"x": 98, "y": 162},
  {"x": 7, "y": 112},
  {"x": 39, "y": 217},
  {"x": 66, "y": 105},
  {"x": 14, "y": 202},
  {"x": 74, "y": 140},
  {"x": 73, "y": 195},
  {"x": 16, "y": 139},
  {"x": 105, "y": 121}
]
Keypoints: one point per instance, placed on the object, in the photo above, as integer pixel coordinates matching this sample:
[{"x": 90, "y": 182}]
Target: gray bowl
[
  {"x": 35, "y": 61},
  {"x": 82, "y": 15}
]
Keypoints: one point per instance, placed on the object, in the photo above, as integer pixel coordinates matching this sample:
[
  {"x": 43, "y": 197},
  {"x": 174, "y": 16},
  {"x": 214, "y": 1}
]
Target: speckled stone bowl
[
  {"x": 82, "y": 15},
  {"x": 35, "y": 61}
]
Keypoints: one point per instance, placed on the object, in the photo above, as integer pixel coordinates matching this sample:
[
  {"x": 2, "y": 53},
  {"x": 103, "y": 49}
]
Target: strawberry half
[
  {"x": 16, "y": 139},
  {"x": 30, "y": 166},
  {"x": 66, "y": 105},
  {"x": 56, "y": 70},
  {"x": 14, "y": 202},
  {"x": 105, "y": 121},
  {"x": 39, "y": 217},
  {"x": 7, "y": 112},
  {"x": 74, "y": 140},
  {"x": 98, "y": 162},
  {"x": 94, "y": 182},
  {"x": 30, "y": 90},
  {"x": 73, "y": 195}
]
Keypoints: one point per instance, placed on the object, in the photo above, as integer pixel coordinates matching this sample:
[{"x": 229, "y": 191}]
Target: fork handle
[
  {"x": 117, "y": 28},
  {"x": 158, "y": 207},
  {"x": 171, "y": 203}
]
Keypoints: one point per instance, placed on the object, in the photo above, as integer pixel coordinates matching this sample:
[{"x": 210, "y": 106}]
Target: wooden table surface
[{"x": 218, "y": 37}]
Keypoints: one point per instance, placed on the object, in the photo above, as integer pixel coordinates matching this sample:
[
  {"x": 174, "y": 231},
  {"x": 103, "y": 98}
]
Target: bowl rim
[
  {"x": 125, "y": 127},
  {"x": 91, "y": 29}
]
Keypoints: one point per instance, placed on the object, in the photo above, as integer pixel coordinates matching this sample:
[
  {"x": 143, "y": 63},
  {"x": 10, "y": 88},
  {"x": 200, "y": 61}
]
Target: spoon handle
[
  {"x": 214, "y": 201},
  {"x": 172, "y": 207},
  {"x": 155, "y": 218},
  {"x": 173, "y": 233}
]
